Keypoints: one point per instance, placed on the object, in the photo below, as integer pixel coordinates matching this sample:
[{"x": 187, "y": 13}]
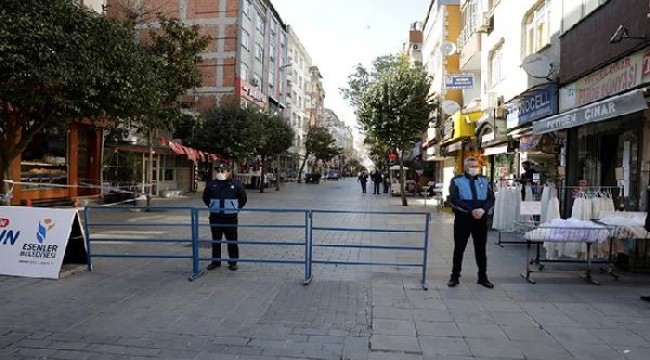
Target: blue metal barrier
[
  {"x": 90, "y": 223},
  {"x": 198, "y": 220},
  {"x": 302, "y": 242},
  {"x": 376, "y": 214}
]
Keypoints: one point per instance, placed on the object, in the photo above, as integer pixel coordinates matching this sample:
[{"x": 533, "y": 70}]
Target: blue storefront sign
[
  {"x": 459, "y": 81},
  {"x": 534, "y": 105}
]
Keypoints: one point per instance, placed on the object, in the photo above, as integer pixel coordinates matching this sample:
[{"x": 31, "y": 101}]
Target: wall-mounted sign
[
  {"x": 619, "y": 105},
  {"x": 534, "y": 105},
  {"x": 459, "y": 81},
  {"x": 627, "y": 73}
]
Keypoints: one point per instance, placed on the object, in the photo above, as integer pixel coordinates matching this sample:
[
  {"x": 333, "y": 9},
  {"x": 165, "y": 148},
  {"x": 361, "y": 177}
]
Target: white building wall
[
  {"x": 432, "y": 59},
  {"x": 298, "y": 74},
  {"x": 508, "y": 33}
]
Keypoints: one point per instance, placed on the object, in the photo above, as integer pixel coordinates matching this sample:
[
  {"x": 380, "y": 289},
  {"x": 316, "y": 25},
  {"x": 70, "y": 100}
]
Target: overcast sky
[{"x": 338, "y": 34}]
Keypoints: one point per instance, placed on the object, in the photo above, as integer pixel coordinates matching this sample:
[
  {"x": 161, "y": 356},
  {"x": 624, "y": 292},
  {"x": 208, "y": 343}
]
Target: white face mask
[
  {"x": 222, "y": 176},
  {"x": 473, "y": 171}
]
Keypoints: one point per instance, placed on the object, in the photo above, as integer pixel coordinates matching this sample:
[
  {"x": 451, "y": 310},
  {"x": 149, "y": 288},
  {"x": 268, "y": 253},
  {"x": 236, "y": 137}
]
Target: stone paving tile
[
  {"x": 486, "y": 331},
  {"x": 582, "y": 351},
  {"x": 512, "y": 318},
  {"x": 394, "y": 343},
  {"x": 433, "y": 346},
  {"x": 393, "y": 327},
  {"x": 437, "y": 329},
  {"x": 542, "y": 349},
  {"x": 380, "y": 355},
  {"x": 493, "y": 348},
  {"x": 525, "y": 333}
]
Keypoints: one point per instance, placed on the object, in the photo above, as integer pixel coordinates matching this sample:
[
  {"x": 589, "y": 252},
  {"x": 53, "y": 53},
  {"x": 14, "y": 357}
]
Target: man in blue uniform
[
  {"x": 224, "y": 196},
  {"x": 471, "y": 198}
]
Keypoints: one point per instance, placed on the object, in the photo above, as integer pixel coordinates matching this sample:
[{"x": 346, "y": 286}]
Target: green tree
[
  {"x": 274, "y": 137},
  {"x": 60, "y": 62},
  {"x": 396, "y": 106},
  {"x": 319, "y": 143}
]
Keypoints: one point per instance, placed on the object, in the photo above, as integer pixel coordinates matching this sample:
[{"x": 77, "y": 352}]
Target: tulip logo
[{"x": 43, "y": 227}]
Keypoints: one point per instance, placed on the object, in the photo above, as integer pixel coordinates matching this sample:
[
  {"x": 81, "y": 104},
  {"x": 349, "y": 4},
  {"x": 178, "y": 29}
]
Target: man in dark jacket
[
  {"x": 376, "y": 180},
  {"x": 471, "y": 197},
  {"x": 224, "y": 196}
]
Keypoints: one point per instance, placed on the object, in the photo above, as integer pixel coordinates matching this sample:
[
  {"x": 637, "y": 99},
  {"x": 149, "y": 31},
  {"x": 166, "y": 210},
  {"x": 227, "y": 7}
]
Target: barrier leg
[
  {"x": 87, "y": 228},
  {"x": 423, "y": 282},
  {"x": 308, "y": 240},
  {"x": 196, "y": 271}
]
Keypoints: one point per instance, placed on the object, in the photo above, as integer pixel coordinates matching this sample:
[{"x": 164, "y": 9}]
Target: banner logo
[
  {"x": 4, "y": 222},
  {"x": 43, "y": 227}
]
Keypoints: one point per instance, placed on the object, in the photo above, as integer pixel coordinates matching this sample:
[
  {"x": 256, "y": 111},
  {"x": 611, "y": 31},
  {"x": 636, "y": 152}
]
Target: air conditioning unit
[
  {"x": 493, "y": 99},
  {"x": 486, "y": 22}
]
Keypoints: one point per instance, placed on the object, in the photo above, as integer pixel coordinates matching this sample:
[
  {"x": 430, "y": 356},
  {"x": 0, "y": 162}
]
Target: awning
[
  {"x": 452, "y": 147},
  {"x": 522, "y": 131},
  {"x": 627, "y": 103}
]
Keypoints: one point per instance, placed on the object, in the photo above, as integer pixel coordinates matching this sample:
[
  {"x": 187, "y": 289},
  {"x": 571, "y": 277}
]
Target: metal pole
[
  {"x": 426, "y": 252},
  {"x": 87, "y": 228}
]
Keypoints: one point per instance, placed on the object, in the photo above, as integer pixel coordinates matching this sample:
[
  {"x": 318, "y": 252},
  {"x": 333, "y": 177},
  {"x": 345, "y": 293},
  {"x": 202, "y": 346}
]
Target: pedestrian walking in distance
[
  {"x": 376, "y": 181},
  {"x": 471, "y": 198},
  {"x": 224, "y": 196},
  {"x": 363, "y": 179}
]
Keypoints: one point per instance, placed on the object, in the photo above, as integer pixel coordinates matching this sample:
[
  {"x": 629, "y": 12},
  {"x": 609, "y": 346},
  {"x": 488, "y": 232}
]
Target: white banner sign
[
  {"x": 33, "y": 240},
  {"x": 530, "y": 208}
]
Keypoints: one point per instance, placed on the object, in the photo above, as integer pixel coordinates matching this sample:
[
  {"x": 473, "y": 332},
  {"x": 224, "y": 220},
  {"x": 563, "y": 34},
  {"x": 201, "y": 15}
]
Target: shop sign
[
  {"x": 534, "y": 105},
  {"x": 33, "y": 240},
  {"x": 459, "y": 81},
  {"x": 487, "y": 137},
  {"x": 624, "y": 104},
  {"x": 627, "y": 73}
]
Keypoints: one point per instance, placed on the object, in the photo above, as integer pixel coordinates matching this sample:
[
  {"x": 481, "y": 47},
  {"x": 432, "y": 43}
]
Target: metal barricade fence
[
  {"x": 368, "y": 218},
  {"x": 301, "y": 222},
  {"x": 285, "y": 223},
  {"x": 127, "y": 222}
]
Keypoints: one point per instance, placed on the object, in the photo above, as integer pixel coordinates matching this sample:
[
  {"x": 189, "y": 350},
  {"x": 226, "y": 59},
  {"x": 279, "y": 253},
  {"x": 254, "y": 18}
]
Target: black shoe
[
  {"x": 232, "y": 267},
  {"x": 453, "y": 282},
  {"x": 645, "y": 298},
  {"x": 486, "y": 283},
  {"x": 213, "y": 266}
]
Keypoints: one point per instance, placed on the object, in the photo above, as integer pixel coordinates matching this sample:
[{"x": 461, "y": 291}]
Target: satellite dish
[
  {"x": 447, "y": 48},
  {"x": 449, "y": 107},
  {"x": 536, "y": 65}
]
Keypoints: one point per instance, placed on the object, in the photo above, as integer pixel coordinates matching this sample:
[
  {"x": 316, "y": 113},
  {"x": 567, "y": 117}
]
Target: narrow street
[{"x": 147, "y": 309}]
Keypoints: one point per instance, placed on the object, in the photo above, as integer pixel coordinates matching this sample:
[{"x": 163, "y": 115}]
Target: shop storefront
[
  {"x": 59, "y": 165},
  {"x": 544, "y": 152},
  {"x": 458, "y": 143},
  {"x": 605, "y": 145},
  {"x": 497, "y": 151}
]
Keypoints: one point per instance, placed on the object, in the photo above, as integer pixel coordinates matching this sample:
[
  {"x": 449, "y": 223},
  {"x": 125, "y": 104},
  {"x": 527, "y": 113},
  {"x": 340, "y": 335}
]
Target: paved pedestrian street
[{"x": 147, "y": 309}]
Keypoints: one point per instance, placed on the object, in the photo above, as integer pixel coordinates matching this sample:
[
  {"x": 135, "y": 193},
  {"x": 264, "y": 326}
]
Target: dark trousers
[
  {"x": 363, "y": 187},
  {"x": 464, "y": 226},
  {"x": 376, "y": 188},
  {"x": 230, "y": 231}
]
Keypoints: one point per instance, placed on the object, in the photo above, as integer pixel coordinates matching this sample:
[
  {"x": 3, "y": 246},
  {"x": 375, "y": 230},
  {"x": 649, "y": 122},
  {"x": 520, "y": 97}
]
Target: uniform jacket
[
  {"x": 467, "y": 193},
  {"x": 224, "y": 198}
]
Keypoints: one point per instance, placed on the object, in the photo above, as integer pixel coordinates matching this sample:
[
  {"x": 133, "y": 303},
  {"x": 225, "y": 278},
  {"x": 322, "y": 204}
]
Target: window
[
  {"x": 495, "y": 62},
  {"x": 243, "y": 71},
  {"x": 259, "y": 23},
  {"x": 259, "y": 51},
  {"x": 536, "y": 27},
  {"x": 247, "y": 9},
  {"x": 271, "y": 80},
  {"x": 272, "y": 53},
  {"x": 257, "y": 80},
  {"x": 274, "y": 27},
  {"x": 244, "y": 39}
]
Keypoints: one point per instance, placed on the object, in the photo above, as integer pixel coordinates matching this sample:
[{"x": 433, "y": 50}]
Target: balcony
[{"x": 469, "y": 47}]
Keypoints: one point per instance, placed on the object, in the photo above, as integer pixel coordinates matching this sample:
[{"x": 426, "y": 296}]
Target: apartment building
[
  {"x": 316, "y": 97},
  {"x": 442, "y": 142},
  {"x": 246, "y": 59},
  {"x": 298, "y": 83}
]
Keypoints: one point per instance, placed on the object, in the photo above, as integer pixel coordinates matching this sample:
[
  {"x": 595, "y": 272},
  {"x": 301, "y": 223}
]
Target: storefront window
[{"x": 44, "y": 162}]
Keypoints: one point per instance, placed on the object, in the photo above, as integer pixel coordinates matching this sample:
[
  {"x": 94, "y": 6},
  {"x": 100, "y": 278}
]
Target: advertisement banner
[
  {"x": 33, "y": 240},
  {"x": 459, "y": 81},
  {"x": 624, "y": 74},
  {"x": 533, "y": 105}
]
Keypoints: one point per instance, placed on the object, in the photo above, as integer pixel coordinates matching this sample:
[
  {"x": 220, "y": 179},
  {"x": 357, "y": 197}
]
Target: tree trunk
[
  {"x": 302, "y": 167},
  {"x": 261, "y": 184},
  {"x": 149, "y": 176},
  {"x": 5, "y": 200},
  {"x": 402, "y": 177}
]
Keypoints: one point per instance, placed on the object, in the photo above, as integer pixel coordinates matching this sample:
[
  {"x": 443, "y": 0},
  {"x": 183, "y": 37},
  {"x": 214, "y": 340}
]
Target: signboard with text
[
  {"x": 627, "y": 73},
  {"x": 33, "y": 241},
  {"x": 459, "y": 81},
  {"x": 534, "y": 105}
]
